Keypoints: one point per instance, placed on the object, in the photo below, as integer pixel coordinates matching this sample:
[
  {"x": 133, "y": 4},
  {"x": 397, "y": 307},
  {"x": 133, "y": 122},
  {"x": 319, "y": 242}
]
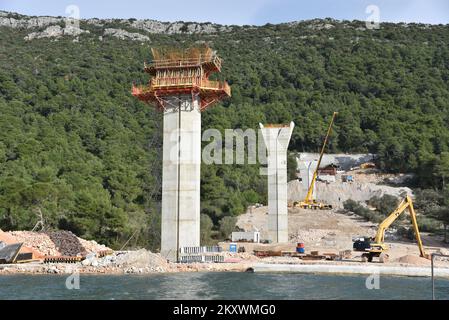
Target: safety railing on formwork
[
  {"x": 196, "y": 81},
  {"x": 433, "y": 255},
  {"x": 197, "y": 250},
  {"x": 183, "y": 81},
  {"x": 201, "y": 259},
  {"x": 216, "y": 85},
  {"x": 185, "y": 62},
  {"x": 203, "y": 84},
  {"x": 217, "y": 62}
]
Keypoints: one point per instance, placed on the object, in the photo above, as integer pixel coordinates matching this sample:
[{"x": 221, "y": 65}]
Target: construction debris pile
[
  {"x": 245, "y": 256},
  {"x": 413, "y": 260},
  {"x": 140, "y": 261},
  {"x": 57, "y": 243}
]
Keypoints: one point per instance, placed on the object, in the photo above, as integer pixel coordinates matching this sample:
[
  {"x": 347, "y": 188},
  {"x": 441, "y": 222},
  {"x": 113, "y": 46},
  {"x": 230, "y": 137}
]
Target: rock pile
[
  {"x": 413, "y": 260},
  {"x": 57, "y": 243},
  {"x": 140, "y": 261},
  {"x": 240, "y": 255},
  {"x": 141, "y": 258}
]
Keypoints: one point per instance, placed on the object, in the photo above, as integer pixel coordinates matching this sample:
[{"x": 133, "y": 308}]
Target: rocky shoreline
[
  {"x": 68, "y": 268},
  {"x": 244, "y": 266},
  {"x": 126, "y": 262},
  {"x": 144, "y": 262}
]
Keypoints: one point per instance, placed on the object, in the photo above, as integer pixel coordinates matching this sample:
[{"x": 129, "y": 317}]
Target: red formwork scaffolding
[{"x": 180, "y": 72}]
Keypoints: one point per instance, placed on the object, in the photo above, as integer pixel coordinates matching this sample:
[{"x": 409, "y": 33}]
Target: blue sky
[{"x": 240, "y": 12}]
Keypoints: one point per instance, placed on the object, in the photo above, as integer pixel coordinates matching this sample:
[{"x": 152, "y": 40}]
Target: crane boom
[{"x": 309, "y": 195}]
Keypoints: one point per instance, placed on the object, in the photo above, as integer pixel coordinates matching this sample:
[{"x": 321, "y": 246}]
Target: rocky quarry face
[
  {"x": 27, "y": 23},
  {"x": 153, "y": 26},
  {"x": 336, "y": 193},
  {"x": 56, "y": 32},
  {"x": 125, "y": 28},
  {"x": 54, "y": 29},
  {"x": 123, "y": 35}
]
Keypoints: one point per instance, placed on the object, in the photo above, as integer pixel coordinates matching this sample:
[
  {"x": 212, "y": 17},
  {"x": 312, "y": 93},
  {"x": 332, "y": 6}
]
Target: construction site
[{"x": 303, "y": 224}]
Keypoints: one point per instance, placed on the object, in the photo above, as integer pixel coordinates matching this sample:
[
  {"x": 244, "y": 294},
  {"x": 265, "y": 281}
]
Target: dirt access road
[{"x": 331, "y": 231}]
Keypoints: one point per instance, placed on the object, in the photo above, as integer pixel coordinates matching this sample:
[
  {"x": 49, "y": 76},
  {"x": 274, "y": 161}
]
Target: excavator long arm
[
  {"x": 309, "y": 195},
  {"x": 384, "y": 225},
  {"x": 406, "y": 203},
  {"x": 415, "y": 228}
]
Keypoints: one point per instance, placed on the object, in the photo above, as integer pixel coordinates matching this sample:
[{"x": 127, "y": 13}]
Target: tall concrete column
[
  {"x": 180, "y": 87},
  {"x": 276, "y": 139},
  {"x": 181, "y": 175}
]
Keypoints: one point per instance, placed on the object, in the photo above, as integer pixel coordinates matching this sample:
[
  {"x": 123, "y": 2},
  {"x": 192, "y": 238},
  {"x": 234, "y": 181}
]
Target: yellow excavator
[
  {"x": 309, "y": 202},
  {"x": 378, "y": 248}
]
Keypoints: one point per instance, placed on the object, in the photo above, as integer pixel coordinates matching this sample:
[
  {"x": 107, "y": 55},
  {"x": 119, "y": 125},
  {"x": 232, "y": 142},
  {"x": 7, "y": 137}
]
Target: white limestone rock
[
  {"x": 125, "y": 35},
  {"x": 56, "y": 32},
  {"x": 28, "y": 23}
]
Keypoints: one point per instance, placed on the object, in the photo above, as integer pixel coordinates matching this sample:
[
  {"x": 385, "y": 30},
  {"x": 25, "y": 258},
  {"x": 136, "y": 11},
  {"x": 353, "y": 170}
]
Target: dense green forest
[{"x": 78, "y": 147}]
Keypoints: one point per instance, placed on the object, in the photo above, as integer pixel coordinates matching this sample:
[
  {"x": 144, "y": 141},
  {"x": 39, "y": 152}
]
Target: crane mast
[
  {"x": 309, "y": 196},
  {"x": 309, "y": 202}
]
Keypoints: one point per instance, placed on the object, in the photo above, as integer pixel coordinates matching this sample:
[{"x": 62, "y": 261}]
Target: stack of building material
[
  {"x": 55, "y": 243},
  {"x": 200, "y": 254},
  {"x": 9, "y": 253},
  {"x": 202, "y": 258},
  {"x": 62, "y": 259},
  {"x": 267, "y": 253},
  {"x": 197, "y": 250}
]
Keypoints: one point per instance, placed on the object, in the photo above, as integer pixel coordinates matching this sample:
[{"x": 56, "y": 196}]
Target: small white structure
[
  {"x": 252, "y": 236},
  {"x": 306, "y": 171},
  {"x": 326, "y": 178}
]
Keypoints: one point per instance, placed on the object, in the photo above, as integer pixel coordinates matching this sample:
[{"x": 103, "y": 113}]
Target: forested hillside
[{"x": 77, "y": 147}]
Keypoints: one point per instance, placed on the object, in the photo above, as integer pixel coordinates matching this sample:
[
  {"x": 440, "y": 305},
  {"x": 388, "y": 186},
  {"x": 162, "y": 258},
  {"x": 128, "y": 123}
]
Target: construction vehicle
[
  {"x": 377, "y": 247},
  {"x": 368, "y": 165},
  {"x": 309, "y": 202}
]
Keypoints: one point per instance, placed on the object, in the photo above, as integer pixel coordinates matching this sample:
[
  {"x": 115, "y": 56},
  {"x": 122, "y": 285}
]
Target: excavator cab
[{"x": 361, "y": 243}]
